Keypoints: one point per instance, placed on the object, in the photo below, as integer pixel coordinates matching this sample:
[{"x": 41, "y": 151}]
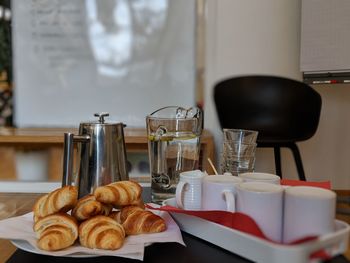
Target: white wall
[
  {"x": 263, "y": 37},
  {"x": 328, "y": 153}
]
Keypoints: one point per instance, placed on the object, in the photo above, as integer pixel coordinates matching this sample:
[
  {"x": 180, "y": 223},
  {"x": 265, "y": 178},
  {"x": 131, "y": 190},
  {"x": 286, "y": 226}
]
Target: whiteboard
[
  {"x": 75, "y": 58},
  {"x": 325, "y": 36}
]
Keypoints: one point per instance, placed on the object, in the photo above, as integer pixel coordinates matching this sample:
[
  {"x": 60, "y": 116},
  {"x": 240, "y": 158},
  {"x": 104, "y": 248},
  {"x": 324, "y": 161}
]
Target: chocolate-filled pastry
[
  {"x": 119, "y": 194},
  {"x": 88, "y": 206},
  {"x": 56, "y": 231},
  {"x": 61, "y": 200},
  {"x": 101, "y": 232},
  {"x": 136, "y": 221}
]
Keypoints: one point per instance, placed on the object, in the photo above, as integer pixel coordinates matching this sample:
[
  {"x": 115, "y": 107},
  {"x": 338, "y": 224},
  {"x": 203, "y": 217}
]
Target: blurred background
[{"x": 69, "y": 61}]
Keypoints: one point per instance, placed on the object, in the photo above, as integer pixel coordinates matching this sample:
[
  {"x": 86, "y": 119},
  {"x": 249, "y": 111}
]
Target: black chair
[{"x": 284, "y": 111}]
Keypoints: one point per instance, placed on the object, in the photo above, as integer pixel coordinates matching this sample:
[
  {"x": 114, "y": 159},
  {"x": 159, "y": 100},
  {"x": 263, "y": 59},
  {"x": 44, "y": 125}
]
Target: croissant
[
  {"x": 88, "y": 206},
  {"x": 139, "y": 203},
  {"x": 120, "y": 193},
  {"x": 101, "y": 232},
  {"x": 121, "y": 215},
  {"x": 115, "y": 215},
  {"x": 56, "y": 231},
  {"x": 106, "y": 209},
  {"x": 61, "y": 200},
  {"x": 136, "y": 221}
]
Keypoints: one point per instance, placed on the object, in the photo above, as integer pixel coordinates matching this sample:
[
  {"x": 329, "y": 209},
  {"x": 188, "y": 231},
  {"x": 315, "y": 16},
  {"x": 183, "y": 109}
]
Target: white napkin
[{"x": 21, "y": 228}]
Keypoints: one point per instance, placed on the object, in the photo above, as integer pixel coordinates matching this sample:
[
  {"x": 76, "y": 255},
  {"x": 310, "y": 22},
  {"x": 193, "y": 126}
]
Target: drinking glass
[
  {"x": 240, "y": 136},
  {"x": 238, "y": 151}
]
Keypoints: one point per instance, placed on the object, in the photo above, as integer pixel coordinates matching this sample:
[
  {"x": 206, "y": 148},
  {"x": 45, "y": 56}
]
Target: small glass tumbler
[
  {"x": 240, "y": 136},
  {"x": 238, "y": 151}
]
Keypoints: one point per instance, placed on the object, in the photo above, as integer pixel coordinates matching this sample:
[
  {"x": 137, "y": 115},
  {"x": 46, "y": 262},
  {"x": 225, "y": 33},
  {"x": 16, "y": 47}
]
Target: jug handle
[{"x": 69, "y": 139}]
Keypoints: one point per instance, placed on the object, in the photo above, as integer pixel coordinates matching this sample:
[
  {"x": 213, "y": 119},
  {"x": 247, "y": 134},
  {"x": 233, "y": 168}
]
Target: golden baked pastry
[
  {"x": 60, "y": 200},
  {"x": 101, "y": 232},
  {"x": 139, "y": 203},
  {"x": 120, "y": 193},
  {"x": 115, "y": 215},
  {"x": 56, "y": 231},
  {"x": 121, "y": 215},
  {"x": 136, "y": 220},
  {"x": 106, "y": 209},
  {"x": 88, "y": 206},
  {"x": 100, "y": 227}
]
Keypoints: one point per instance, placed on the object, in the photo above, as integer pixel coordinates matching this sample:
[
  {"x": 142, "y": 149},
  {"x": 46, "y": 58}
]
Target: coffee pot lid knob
[{"x": 101, "y": 116}]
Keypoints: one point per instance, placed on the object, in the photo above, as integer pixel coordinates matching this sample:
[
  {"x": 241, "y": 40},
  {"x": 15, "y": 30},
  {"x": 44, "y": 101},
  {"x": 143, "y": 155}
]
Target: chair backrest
[{"x": 281, "y": 109}]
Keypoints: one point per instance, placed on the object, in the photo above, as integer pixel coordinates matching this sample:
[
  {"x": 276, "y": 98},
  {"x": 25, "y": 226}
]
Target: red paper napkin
[
  {"x": 238, "y": 221},
  {"x": 325, "y": 184}
]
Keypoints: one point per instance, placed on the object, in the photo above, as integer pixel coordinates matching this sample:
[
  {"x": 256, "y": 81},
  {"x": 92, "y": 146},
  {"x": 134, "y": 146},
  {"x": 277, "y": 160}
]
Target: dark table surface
[{"x": 196, "y": 250}]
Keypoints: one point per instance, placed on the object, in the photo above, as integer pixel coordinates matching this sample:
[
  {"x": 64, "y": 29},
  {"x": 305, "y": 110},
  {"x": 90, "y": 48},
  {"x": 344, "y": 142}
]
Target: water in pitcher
[{"x": 169, "y": 156}]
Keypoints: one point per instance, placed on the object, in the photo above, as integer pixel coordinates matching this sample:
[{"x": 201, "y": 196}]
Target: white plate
[{"x": 24, "y": 245}]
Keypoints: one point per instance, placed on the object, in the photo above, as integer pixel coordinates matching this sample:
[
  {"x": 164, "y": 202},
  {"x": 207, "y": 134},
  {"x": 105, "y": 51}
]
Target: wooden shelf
[{"x": 51, "y": 139}]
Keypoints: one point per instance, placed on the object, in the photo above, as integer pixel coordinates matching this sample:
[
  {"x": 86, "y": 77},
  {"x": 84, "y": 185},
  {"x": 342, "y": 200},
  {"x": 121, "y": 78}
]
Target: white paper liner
[{"x": 21, "y": 228}]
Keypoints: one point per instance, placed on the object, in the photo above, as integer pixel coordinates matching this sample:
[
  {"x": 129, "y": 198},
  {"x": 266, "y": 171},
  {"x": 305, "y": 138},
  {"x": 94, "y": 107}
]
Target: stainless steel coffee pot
[{"x": 101, "y": 157}]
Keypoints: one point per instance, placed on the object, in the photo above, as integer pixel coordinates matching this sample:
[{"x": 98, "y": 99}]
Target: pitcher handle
[
  {"x": 69, "y": 139},
  {"x": 67, "y": 159}
]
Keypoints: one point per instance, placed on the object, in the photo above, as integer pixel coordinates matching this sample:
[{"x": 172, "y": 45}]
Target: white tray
[{"x": 257, "y": 249}]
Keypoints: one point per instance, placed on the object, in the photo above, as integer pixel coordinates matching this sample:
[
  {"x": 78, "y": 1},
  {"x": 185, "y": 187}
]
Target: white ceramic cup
[
  {"x": 264, "y": 203},
  {"x": 219, "y": 192},
  {"x": 308, "y": 211},
  {"x": 189, "y": 190},
  {"x": 260, "y": 177}
]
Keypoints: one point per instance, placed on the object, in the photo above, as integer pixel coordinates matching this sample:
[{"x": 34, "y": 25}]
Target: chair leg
[
  {"x": 298, "y": 161},
  {"x": 277, "y": 153}
]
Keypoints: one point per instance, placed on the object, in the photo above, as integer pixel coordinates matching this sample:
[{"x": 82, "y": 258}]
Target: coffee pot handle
[{"x": 68, "y": 147}]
